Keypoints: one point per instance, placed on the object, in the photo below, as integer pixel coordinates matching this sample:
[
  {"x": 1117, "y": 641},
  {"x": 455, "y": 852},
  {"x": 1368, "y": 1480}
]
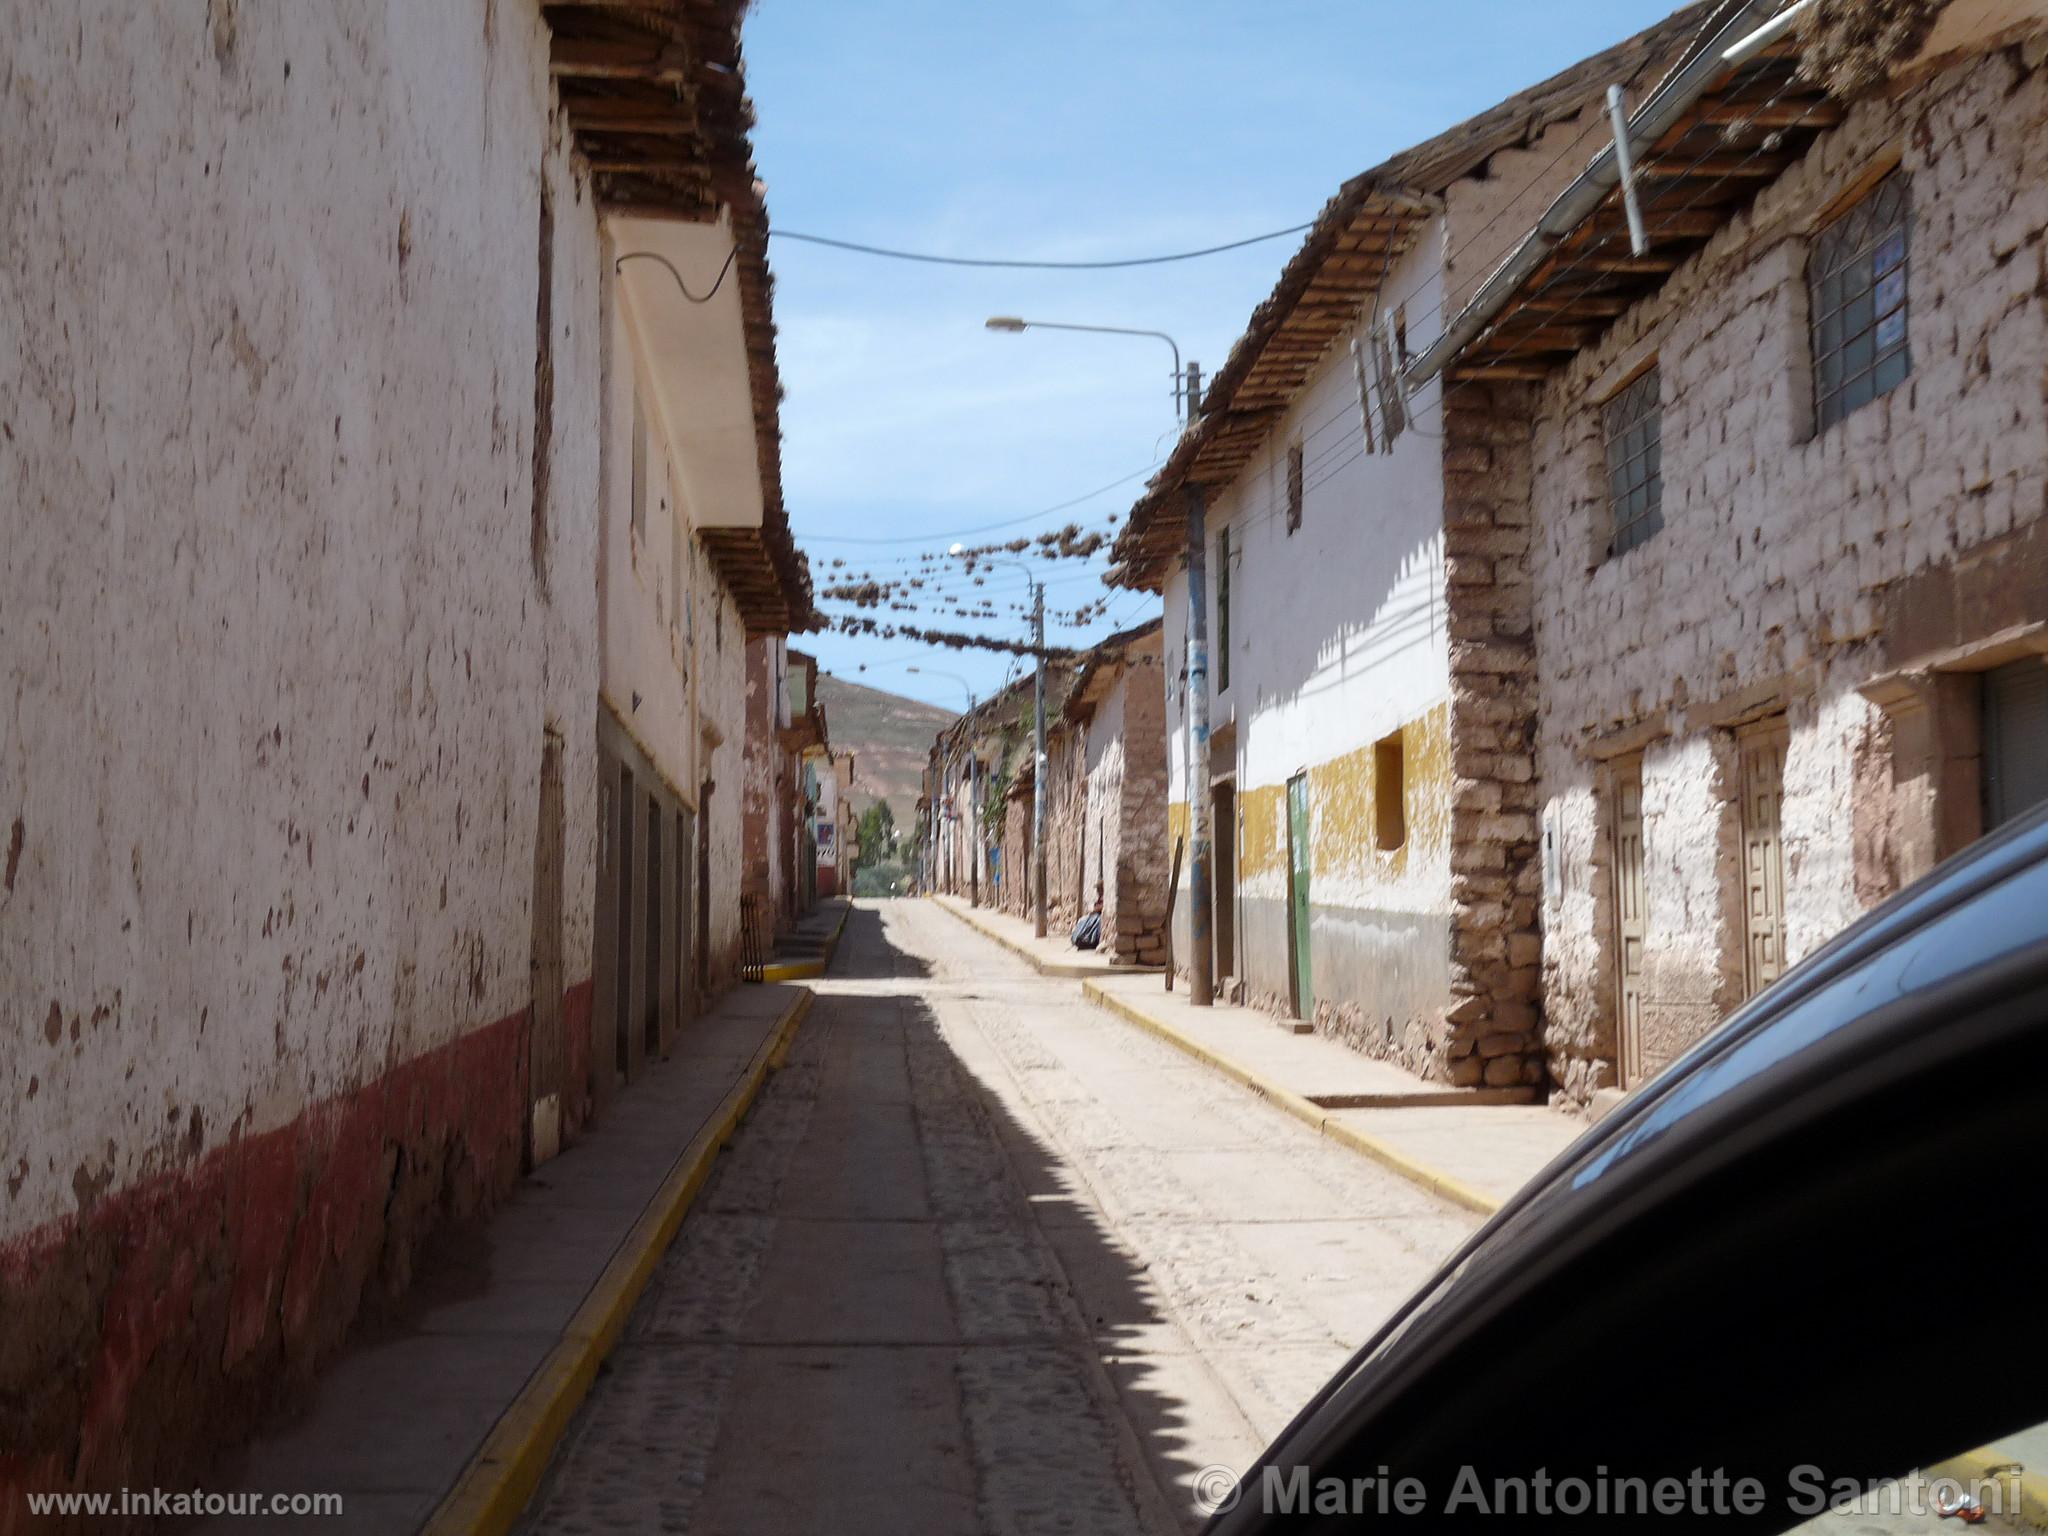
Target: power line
[
  {"x": 1011, "y": 522},
  {"x": 1023, "y": 263},
  {"x": 1672, "y": 190}
]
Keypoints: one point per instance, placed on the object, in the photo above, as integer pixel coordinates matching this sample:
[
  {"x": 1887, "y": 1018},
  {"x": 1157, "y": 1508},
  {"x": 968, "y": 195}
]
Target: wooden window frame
[
  {"x": 1632, "y": 443},
  {"x": 1859, "y": 294},
  {"x": 1295, "y": 489},
  {"x": 1390, "y": 805}
]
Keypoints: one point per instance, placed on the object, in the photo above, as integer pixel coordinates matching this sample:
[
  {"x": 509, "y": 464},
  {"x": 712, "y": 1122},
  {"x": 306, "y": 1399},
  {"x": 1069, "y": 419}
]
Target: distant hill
[{"x": 889, "y": 737}]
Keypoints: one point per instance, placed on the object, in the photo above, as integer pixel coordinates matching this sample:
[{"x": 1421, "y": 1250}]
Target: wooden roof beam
[
  {"x": 1668, "y": 225},
  {"x": 1481, "y": 372},
  {"x": 591, "y": 58},
  {"x": 1603, "y": 306},
  {"x": 1546, "y": 338},
  {"x": 1626, "y": 264},
  {"x": 1712, "y": 167},
  {"x": 1779, "y": 114}
]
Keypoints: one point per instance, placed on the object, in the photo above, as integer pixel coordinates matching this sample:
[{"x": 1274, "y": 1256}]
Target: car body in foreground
[{"x": 1806, "y": 1259}]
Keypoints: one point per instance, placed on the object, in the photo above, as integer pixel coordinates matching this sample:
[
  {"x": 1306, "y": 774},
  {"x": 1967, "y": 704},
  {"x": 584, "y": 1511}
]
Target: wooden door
[
  {"x": 1298, "y": 896},
  {"x": 1626, "y": 868},
  {"x": 1761, "y": 750}
]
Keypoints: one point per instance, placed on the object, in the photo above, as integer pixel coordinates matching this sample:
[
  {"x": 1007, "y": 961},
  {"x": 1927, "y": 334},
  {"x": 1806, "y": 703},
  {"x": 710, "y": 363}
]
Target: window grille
[
  {"x": 1633, "y": 422},
  {"x": 1857, "y": 281}
]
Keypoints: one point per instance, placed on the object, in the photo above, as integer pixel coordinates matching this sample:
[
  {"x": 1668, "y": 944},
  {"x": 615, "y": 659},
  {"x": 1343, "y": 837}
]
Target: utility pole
[
  {"x": 1038, "y": 775},
  {"x": 1201, "y": 956},
  {"x": 974, "y": 828}
]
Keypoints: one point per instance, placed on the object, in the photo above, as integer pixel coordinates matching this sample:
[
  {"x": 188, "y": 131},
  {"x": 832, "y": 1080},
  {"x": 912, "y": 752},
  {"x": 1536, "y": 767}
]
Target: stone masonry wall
[
  {"x": 1793, "y": 568},
  {"x": 1070, "y": 872},
  {"x": 1016, "y": 844},
  {"x": 1490, "y": 1034},
  {"x": 1134, "y": 906}
]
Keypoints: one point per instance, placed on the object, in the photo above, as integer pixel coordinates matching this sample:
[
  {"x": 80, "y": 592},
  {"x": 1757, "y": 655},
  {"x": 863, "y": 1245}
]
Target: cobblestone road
[{"x": 984, "y": 1258}]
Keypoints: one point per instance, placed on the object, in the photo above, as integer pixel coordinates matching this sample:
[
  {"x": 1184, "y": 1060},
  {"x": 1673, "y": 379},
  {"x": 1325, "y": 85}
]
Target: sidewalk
[
  {"x": 1052, "y": 955},
  {"x": 445, "y": 1423},
  {"x": 1473, "y": 1146},
  {"x": 804, "y": 953}
]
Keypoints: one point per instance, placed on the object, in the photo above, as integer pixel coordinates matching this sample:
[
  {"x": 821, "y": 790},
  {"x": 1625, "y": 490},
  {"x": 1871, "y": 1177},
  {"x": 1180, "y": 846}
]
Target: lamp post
[
  {"x": 1037, "y": 735},
  {"x": 1015, "y": 324},
  {"x": 950, "y": 677},
  {"x": 1188, "y": 405}
]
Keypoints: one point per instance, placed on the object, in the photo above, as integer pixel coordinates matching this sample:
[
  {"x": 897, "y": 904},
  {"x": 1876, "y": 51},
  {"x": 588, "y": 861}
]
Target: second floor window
[
  {"x": 1856, "y": 280},
  {"x": 1223, "y": 609},
  {"x": 1294, "y": 487},
  {"x": 1633, "y": 424}
]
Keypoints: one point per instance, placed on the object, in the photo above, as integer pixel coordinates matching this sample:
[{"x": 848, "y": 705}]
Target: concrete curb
[
  {"x": 810, "y": 970},
  {"x": 1454, "y": 1190},
  {"x": 501, "y": 1477},
  {"x": 1038, "y": 962}
]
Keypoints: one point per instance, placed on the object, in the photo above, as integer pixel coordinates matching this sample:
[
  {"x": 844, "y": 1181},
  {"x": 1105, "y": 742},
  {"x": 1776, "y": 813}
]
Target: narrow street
[{"x": 984, "y": 1258}]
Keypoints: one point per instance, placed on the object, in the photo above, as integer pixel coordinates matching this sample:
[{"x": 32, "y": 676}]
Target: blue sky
[{"x": 1061, "y": 130}]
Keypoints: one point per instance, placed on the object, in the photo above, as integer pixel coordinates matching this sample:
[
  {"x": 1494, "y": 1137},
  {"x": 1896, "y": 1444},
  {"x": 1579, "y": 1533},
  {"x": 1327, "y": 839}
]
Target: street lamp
[
  {"x": 1187, "y": 397},
  {"x": 1015, "y": 324},
  {"x": 1037, "y": 728},
  {"x": 953, "y": 676}
]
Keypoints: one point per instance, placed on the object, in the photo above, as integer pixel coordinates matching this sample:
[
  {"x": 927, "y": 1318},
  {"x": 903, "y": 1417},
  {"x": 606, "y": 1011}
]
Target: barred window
[
  {"x": 1294, "y": 485},
  {"x": 1857, "y": 278},
  {"x": 1634, "y": 425}
]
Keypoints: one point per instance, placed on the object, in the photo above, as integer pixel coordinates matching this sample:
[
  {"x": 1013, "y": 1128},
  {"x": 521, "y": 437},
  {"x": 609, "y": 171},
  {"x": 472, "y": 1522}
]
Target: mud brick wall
[
  {"x": 1491, "y": 1031},
  {"x": 1136, "y": 852},
  {"x": 289, "y": 630},
  {"x": 1795, "y": 568}
]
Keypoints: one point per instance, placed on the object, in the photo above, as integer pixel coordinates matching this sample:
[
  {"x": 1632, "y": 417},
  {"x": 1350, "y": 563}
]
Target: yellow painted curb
[
  {"x": 809, "y": 970},
  {"x": 1043, "y": 966},
  {"x": 1989, "y": 1465},
  {"x": 493, "y": 1489},
  {"x": 1454, "y": 1190}
]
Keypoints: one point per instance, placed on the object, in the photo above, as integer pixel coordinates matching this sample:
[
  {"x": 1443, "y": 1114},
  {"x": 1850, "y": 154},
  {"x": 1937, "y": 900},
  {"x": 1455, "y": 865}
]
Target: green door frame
[{"x": 1301, "y": 972}]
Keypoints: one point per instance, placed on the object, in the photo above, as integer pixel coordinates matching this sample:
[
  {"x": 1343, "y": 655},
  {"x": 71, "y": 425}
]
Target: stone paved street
[{"x": 984, "y": 1258}]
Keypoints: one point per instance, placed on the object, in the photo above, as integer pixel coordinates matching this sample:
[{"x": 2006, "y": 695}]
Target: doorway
[
  {"x": 704, "y": 890},
  {"x": 622, "y": 964},
  {"x": 1301, "y": 972},
  {"x": 686, "y": 921},
  {"x": 657, "y": 950},
  {"x": 1223, "y": 876},
  {"x": 1626, "y": 879},
  {"x": 1760, "y": 751}
]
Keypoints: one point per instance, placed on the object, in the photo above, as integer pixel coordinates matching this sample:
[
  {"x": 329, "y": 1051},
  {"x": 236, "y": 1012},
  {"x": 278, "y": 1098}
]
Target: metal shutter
[{"x": 2015, "y": 739}]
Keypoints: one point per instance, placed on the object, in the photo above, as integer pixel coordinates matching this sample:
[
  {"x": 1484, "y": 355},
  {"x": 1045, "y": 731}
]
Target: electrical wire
[
  {"x": 1025, "y": 264},
  {"x": 717, "y": 283},
  {"x": 1011, "y": 522},
  {"x": 1336, "y": 465},
  {"x": 1334, "y": 460}
]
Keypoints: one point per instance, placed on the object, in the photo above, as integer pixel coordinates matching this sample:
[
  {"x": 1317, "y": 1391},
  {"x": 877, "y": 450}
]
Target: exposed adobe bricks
[{"x": 1493, "y": 1034}]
